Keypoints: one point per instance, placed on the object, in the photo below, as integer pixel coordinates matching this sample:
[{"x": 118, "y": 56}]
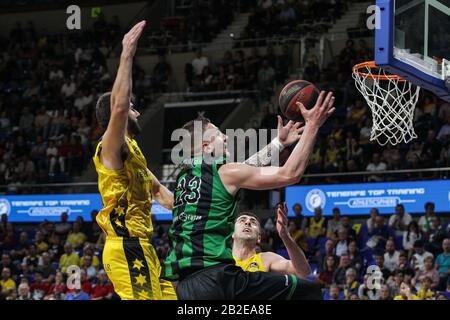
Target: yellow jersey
[
  {"x": 126, "y": 195},
  {"x": 251, "y": 264}
]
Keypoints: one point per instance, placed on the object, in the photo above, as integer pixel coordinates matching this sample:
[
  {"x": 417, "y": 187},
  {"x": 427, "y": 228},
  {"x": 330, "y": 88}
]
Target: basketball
[{"x": 297, "y": 91}]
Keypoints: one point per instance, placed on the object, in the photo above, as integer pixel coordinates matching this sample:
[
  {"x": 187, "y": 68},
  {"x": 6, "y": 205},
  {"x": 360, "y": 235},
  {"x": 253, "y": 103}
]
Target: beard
[{"x": 133, "y": 127}]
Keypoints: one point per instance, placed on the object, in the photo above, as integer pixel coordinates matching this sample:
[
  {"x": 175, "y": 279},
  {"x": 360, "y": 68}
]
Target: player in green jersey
[{"x": 201, "y": 258}]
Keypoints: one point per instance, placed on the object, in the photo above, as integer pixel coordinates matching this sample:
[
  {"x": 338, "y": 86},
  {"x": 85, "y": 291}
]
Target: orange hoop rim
[{"x": 372, "y": 65}]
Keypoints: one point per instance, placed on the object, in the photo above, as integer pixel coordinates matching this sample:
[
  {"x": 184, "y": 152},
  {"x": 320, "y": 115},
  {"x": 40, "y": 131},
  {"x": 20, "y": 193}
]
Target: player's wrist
[
  {"x": 278, "y": 144},
  {"x": 311, "y": 127}
]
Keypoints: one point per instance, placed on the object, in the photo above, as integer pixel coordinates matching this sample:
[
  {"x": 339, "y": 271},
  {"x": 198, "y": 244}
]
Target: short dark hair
[
  {"x": 418, "y": 244},
  {"x": 190, "y": 127},
  {"x": 103, "y": 109},
  {"x": 246, "y": 213},
  {"x": 429, "y": 204}
]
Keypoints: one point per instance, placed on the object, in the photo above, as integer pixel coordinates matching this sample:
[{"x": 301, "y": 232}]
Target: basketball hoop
[{"x": 391, "y": 99}]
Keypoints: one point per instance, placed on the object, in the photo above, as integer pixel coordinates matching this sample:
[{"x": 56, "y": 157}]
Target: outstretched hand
[
  {"x": 290, "y": 133},
  {"x": 282, "y": 220},
  {"x": 130, "y": 40},
  {"x": 323, "y": 108}
]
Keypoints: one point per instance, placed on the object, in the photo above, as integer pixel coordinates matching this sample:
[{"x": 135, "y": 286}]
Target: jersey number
[{"x": 190, "y": 191}]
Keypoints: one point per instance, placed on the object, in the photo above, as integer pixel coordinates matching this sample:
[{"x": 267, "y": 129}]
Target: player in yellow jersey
[
  {"x": 128, "y": 188},
  {"x": 246, "y": 237}
]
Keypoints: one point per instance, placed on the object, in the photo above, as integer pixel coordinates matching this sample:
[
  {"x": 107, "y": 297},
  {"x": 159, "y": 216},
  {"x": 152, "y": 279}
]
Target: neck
[{"x": 244, "y": 249}]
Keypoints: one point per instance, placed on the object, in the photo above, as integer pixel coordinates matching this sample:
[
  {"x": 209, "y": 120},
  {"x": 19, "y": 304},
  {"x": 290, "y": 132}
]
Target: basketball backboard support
[{"x": 413, "y": 41}]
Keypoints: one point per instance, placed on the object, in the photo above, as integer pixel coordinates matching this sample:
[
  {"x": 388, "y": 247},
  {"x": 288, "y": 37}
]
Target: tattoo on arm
[{"x": 263, "y": 157}]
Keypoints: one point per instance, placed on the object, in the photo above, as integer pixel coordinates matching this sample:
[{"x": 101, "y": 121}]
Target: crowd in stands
[
  {"x": 344, "y": 144},
  {"x": 238, "y": 71},
  {"x": 412, "y": 255},
  {"x": 194, "y": 22},
  {"x": 408, "y": 256},
  {"x": 49, "y": 85},
  {"x": 272, "y": 18},
  {"x": 43, "y": 262}
]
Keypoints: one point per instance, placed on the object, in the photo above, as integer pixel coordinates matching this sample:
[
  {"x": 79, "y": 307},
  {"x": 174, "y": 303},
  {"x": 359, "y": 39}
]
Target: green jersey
[{"x": 203, "y": 220}]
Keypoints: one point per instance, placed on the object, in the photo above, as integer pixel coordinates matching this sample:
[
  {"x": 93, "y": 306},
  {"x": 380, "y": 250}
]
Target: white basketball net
[{"x": 392, "y": 101}]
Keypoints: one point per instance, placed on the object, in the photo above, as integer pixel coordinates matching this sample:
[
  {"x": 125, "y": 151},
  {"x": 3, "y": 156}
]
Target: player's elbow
[
  {"x": 291, "y": 176},
  {"x": 120, "y": 108}
]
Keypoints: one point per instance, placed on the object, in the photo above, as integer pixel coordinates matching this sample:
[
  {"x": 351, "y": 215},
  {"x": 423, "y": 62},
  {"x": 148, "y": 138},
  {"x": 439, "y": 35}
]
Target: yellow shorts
[{"x": 134, "y": 269}]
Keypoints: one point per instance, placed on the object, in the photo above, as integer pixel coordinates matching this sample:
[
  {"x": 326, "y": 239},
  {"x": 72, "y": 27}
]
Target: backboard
[{"x": 413, "y": 41}]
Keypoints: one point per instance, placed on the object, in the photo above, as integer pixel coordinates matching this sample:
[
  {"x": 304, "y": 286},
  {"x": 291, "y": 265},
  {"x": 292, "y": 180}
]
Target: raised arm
[
  {"x": 113, "y": 140},
  {"x": 237, "y": 175},
  {"x": 298, "y": 264},
  {"x": 287, "y": 135}
]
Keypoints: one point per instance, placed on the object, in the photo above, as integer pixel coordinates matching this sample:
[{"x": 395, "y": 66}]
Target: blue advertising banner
[
  {"x": 37, "y": 208},
  {"x": 356, "y": 199}
]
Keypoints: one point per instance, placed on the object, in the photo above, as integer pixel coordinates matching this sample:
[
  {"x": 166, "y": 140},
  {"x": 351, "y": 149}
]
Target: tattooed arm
[{"x": 287, "y": 135}]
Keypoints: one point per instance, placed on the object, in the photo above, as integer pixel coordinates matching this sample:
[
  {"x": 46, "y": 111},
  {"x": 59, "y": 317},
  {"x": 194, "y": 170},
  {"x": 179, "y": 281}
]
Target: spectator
[
  {"x": 32, "y": 258},
  {"x": 326, "y": 275},
  {"x": 347, "y": 225},
  {"x": 86, "y": 264},
  {"x": 68, "y": 88},
  {"x": 55, "y": 247},
  {"x": 435, "y": 236},
  {"x": 69, "y": 258},
  {"x": 63, "y": 227},
  {"x": 375, "y": 166},
  {"x": 46, "y": 268},
  {"x": 334, "y": 292},
  {"x": 405, "y": 293},
  {"x": 427, "y": 271},
  {"x": 424, "y": 221},
  {"x": 356, "y": 260},
  {"x": 7, "y": 284},
  {"x": 23, "y": 292},
  {"x": 39, "y": 288},
  {"x": 7, "y": 263},
  {"x": 199, "y": 62},
  {"x": 329, "y": 251},
  {"x": 339, "y": 275},
  {"x": 58, "y": 288},
  {"x": 299, "y": 219},
  {"x": 374, "y": 213},
  {"x": 77, "y": 294},
  {"x": 20, "y": 250},
  {"x": 41, "y": 245},
  {"x": 379, "y": 235},
  {"x": 425, "y": 292},
  {"x": 404, "y": 267},
  {"x": 443, "y": 264},
  {"x": 391, "y": 257},
  {"x": 385, "y": 293},
  {"x": 316, "y": 225},
  {"x": 103, "y": 290},
  {"x": 395, "y": 281},
  {"x": 351, "y": 285},
  {"x": 86, "y": 285},
  {"x": 400, "y": 220},
  {"x": 89, "y": 250},
  {"x": 364, "y": 293},
  {"x": 411, "y": 236},
  {"x": 76, "y": 238},
  {"x": 342, "y": 242},
  {"x": 334, "y": 224},
  {"x": 419, "y": 255}
]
